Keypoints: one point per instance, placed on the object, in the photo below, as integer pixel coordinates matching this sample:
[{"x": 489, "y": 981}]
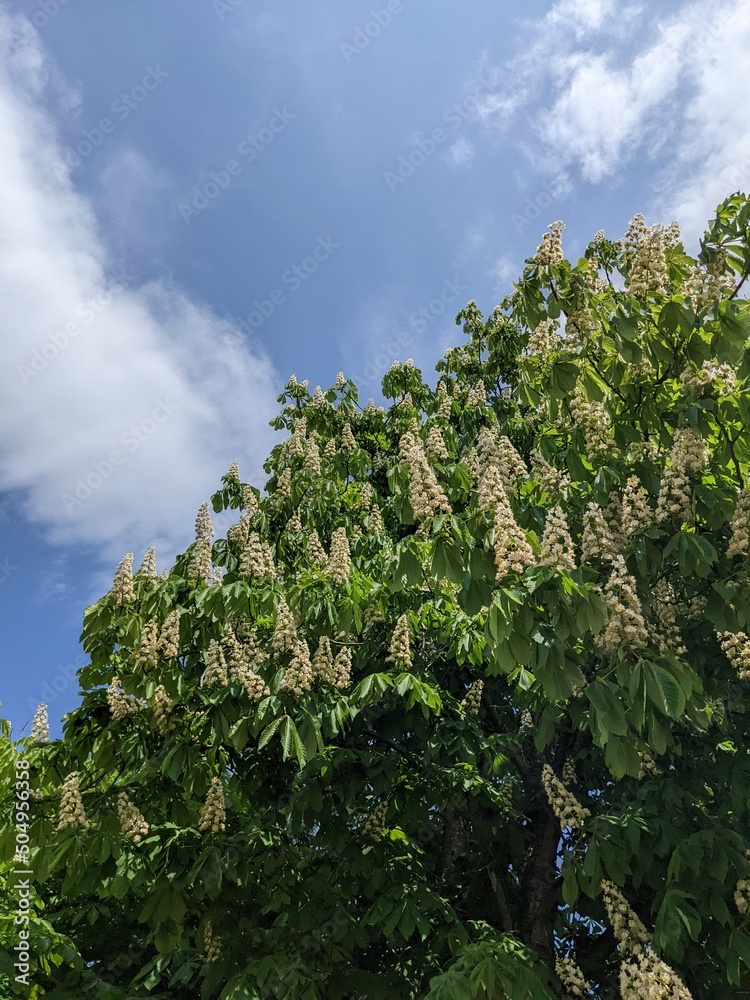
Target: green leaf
[
  {"x": 664, "y": 691},
  {"x": 562, "y": 378},
  {"x": 268, "y": 732},
  {"x": 287, "y": 733},
  {"x": 610, "y": 713}
]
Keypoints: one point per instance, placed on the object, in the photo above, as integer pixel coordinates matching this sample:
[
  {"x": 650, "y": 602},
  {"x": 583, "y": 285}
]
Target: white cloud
[
  {"x": 147, "y": 396},
  {"x": 623, "y": 90},
  {"x": 461, "y": 153}
]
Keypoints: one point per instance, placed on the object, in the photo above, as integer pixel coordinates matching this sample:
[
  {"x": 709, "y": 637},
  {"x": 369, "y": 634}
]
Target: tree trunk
[{"x": 539, "y": 885}]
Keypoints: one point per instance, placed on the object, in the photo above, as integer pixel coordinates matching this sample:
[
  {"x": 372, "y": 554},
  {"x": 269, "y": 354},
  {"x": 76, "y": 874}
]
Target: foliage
[{"x": 384, "y": 834}]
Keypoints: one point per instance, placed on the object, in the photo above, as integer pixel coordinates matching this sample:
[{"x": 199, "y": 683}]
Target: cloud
[
  {"x": 461, "y": 153},
  {"x": 614, "y": 90},
  {"x": 122, "y": 403}
]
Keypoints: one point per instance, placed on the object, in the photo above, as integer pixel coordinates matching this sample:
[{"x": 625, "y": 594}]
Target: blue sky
[{"x": 201, "y": 198}]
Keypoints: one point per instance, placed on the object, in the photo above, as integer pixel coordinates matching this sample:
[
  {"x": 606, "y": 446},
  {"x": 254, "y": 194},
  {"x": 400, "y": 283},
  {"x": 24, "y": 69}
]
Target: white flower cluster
[
  {"x": 40, "y": 725},
  {"x": 375, "y": 822},
  {"x": 643, "y": 975},
  {"x": 512, "y": 550},
  {"x": 627, "y": 926},
  {"x": 294, "y": 446},
  {"x": 557, "y": 546},
  {"x": 648, "y": 977},
  {"x": 234, "y": 471},
  {"x": 72, "y": 814},
  {"x": 445, "y": 406},
  {"x": 635, "y": 513},
  {"x": 710, "y": 373},
  {"x": 647, "y": 247},
  {"x": 318, "y": 555},
  {"x": 569, "y": 775},
  {"x": 594, "y": 421},
  {"x": 312, "y": 456},
  {"x": 597, "y": 541},
  {"x": 689, "y": 454},
  {"x": 216, "y": 670},
  {"x": 211, "y": 943},
  {"x": 491, "y": 489},
  {"x": 120, "y": 704},
  {"x": 551, "y": 480},
  {"x": 122, "y": 586},
  {"x": 544, "y": 338},
  {"x": 648, "y": 765},
  {"x": 257, "y": 558},
  {"x": 169, "y": 635},
  {"x": 241, "y": 658},
  {"x": 435, "y": 445},
  {"x": 348, "y": 442},
  {"x": 425, "y": 493},
  {"x": 742, "y": 896},
  {"x": 594, "y": 281},
  {"x": 339, "y": 561},
  {"x": 477, "y": 395},
  {"x": 739, "y": 543},
  {"x": 580, "y": 328},
  {"x": 162, "y": 708},
  {"x": 549, "y": 252},
  {"x": 473, "y": 698},
  {"x": 626, "y": 625},
  {"x": 155, "y": 640},
  {"x": 736, "y": 647},
  {"x": 213, "y": 814},
  {"x": 148, "y": 565},
  {"x": 341, "y": 673},
  {"x": 399, "y": 651},
  {"x": 285, "y": 629},
  {"x": 375, "y": 523},
  {"x": 294, "y": 524},
  {"x": 494, "y": 448},
  {"x": 668, "y": 635},
  {"x": 322, "y": 662},
  {"x": 200, "y": 562},
  {"x": 340, "y": 380},
  {"x": 573, "y": 980},
  {"x": 132, "y": 821},
  {"x": 567, "y": 808},
  {"x": 249, "y": 501},
  {"x": 330, "y": 449},
  {"x": 298, "y": 676},
  {"x": 238, "y": 533},
  {"x": 709, "y": 282},
  {"x": 284, "y": 483}
]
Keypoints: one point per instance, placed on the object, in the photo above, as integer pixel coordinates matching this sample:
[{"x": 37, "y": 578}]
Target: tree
[{"x": 458, "y": 708}]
